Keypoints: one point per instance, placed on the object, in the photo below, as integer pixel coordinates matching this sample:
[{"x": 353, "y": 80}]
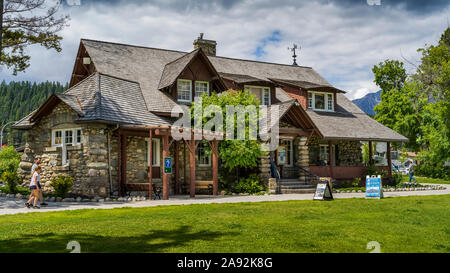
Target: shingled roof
[
  {"x": 104, "y": 98},
  {"x": 146, "y": 66},
  {"x": 348, "y": 122}
]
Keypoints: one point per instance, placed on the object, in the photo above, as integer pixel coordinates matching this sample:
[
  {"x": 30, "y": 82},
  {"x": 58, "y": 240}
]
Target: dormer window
[
  {"x": 262, "y": 93},
  {"x": 201, "y": 87},
  {"x": 321, "y": 101},
  {"x": 184, "y": 90}
]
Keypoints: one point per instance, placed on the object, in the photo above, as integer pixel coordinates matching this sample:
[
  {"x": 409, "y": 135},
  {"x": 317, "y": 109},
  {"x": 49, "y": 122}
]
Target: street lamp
[{"x": 1, "y": 133}]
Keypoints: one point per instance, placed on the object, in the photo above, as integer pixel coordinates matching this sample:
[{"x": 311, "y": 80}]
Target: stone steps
[{"x": 295, "y": 186}]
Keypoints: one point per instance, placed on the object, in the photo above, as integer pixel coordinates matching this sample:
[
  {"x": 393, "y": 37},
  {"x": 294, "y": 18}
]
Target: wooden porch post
[
  {"x": 119, "y": 163},
  {"x": 184, "y": 165},
  {"x": 177, "y": 167},
  {"x": 150, "y": 164},
  {"x": 330, "y": 157},
  {"x": 124, "y": 164},
  {"x": 389, "y": 160},
  {"x": 215, "y": 166},
  {"x": 370, "y": 153},
  {"x": 165, "y": 175},
  {"x": 192, "y": 166}
]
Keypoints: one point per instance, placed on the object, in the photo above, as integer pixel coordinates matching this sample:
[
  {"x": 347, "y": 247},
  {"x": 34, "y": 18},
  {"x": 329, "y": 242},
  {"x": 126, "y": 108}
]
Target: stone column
[
  {"x": 264, "y": 167},
  {"x": 303, "y": 156}
]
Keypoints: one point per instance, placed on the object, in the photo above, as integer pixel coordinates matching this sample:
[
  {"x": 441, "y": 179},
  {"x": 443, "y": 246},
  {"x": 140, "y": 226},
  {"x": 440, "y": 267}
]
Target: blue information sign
[
  {"x": 168, "y": 165},
  {"x": 374, "y": 188}
]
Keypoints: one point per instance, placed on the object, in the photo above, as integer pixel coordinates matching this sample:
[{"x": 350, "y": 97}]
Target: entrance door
[
  {"x": 285, "y": 162},
  {"x": 156, "y": 157}
]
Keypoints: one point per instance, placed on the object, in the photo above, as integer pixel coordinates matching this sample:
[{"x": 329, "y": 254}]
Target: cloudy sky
[{"x": 342, "y": 40}]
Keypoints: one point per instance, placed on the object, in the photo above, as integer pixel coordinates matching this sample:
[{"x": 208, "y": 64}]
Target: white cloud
[{"x": 341, "y": 42}]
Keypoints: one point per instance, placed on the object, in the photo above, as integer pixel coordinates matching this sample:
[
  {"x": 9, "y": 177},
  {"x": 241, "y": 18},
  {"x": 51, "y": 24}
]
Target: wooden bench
[{"x": 200, "y": 185}]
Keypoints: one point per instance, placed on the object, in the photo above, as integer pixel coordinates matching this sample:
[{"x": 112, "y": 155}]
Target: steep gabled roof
[
  {"x": 147, "y": 65},
  {"x": 173, "y": 69},
  {"x": 238, "y": 78},
  {"x": 348, "y": 122}
]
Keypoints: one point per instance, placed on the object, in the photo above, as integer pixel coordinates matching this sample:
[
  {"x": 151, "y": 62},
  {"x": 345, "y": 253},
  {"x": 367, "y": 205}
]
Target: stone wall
[
  {"x": 87, "y": 161},
  {"x": 349, "y": 153}
]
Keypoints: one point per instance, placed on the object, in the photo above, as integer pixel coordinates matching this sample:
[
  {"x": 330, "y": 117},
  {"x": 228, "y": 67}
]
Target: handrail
[{"x": 309, "y": 174}]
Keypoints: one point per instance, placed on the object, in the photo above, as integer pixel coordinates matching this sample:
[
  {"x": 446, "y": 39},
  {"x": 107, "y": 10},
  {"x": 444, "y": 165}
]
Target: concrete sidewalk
[{"x": 14, "y": 206}]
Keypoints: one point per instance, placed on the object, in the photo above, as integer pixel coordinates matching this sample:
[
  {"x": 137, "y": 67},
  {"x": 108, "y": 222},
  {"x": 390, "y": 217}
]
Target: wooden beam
[
  {"x": 177, "y": 168},
  {"x": 119, "y": 163},
  {"x": 215, "y": 166},
  {"x": 389, "y": 160},
  {"x": 124, "y": 164},
  {"x": 370, "y": 153},
  {"x": 330, "y": 157},
  {"x": 150, "y": 164},
  {"x": 165, "y": 175},
  {"x": 192, "y": 148}
]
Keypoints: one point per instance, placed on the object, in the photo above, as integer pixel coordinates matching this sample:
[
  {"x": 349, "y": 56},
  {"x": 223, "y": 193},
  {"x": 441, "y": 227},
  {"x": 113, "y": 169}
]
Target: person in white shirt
[
  {"x": 34, "y": 188},
  {"x": 37, "y": 162}
]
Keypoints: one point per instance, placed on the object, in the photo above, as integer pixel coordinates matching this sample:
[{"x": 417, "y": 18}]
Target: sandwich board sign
[
  {"x": 323, "y": 191},
  {"x": 374, "y": 188},
  {"x": 168, "y": 165}
]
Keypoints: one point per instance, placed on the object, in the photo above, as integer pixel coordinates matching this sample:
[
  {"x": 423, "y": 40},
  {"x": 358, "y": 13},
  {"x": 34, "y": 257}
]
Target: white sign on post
[{"x": 374, "y": 188}]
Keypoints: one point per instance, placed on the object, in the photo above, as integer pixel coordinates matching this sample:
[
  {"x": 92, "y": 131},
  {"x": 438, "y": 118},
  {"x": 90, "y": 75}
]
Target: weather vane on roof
[{"x": 293, "y": 48}]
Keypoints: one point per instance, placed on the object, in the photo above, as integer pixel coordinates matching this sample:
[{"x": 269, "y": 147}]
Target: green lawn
[
  {"x": 426, "y": 180},
  {"x": 403, "y": 224}
]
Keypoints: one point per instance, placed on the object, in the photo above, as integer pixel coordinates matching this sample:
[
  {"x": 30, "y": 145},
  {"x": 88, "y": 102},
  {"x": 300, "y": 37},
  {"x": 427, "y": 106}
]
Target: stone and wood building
[{"x": 111, "y": 130}]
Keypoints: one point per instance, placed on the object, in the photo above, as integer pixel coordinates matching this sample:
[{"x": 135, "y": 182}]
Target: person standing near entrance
[
  {"x": 411, "y": 172},
  {"x": 34, "y": 188}
]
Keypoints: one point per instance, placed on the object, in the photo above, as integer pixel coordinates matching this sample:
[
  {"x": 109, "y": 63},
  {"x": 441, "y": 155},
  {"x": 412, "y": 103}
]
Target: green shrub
[
  {"x": 252, "y": 184},
  {"x": 356, "y": 182},
  {"x": 396, "y": 179},
  {"x": 12, "y": 180},
  {"x": 61, "y": 185},
  {"x": 9, "y": 160}
]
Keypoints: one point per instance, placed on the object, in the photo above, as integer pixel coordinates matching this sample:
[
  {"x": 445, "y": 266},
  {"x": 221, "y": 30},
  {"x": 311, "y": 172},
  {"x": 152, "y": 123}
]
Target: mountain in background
[
  {"x": 368, "y": 102},
  {"x": 18, "y": 99}
]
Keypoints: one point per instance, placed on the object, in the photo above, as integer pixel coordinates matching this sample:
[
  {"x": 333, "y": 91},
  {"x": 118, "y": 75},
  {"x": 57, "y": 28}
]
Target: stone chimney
[{"x": 208, "y": 46}]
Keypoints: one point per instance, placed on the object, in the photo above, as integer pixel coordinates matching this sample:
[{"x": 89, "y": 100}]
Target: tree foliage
[
  {"x": 18, "y": 99},
  {"x": 28, "y": 22},
  {"x": 238, "y": 157},
  {"x": 418, "y": 106}
]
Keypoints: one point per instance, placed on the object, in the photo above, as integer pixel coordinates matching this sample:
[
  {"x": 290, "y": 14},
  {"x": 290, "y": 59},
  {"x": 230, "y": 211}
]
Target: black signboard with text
[{"x": 323, "y": 191}]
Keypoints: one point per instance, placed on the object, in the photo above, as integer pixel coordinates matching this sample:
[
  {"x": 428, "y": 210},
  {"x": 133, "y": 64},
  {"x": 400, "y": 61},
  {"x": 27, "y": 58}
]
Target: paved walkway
[{"x": 15, "y": 206}]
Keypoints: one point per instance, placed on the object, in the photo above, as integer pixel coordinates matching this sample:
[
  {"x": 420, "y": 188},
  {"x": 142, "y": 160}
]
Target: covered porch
[{"x": 184, "y": 156}]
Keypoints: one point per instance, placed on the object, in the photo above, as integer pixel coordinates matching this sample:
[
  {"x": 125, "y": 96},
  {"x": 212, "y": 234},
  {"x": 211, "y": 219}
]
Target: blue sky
[{"x": 341, "y": 40}]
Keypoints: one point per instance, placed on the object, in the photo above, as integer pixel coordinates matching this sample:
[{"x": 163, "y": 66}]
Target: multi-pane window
[
  {"x": 201, "y": 87},
  {"x": 66, "y": 137},
  {"x": 78, "y": 136},
  {"x": 330, "y": 104},
  {"x": 324, "y": 153},
  {"x": 262, "y": 93},
  {"x": 156, "y": 152},
  {"x": 57, "y": 137},
  {"x": 321, "y": 101},
  {"x": 310, "y": 100},
  {"x": 204, "y": 157},
  {"x": 184, "y": 89}
]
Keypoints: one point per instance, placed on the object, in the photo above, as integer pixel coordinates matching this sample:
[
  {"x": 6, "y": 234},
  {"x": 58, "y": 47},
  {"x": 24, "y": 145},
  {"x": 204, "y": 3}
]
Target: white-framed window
[
  {"x": 201, "y": 87},
  {"x": 156, "y": 153},
  {"x": 184, "y": 90},
  {"x": 290, "y": 151},
  {"x": 204, "y": 157},
  {"x": 324, "y": 153},
  {"x": 262, "y": 93},
  {"x": 321, "y": 101},
  {"x": 71, "y": 136}
]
